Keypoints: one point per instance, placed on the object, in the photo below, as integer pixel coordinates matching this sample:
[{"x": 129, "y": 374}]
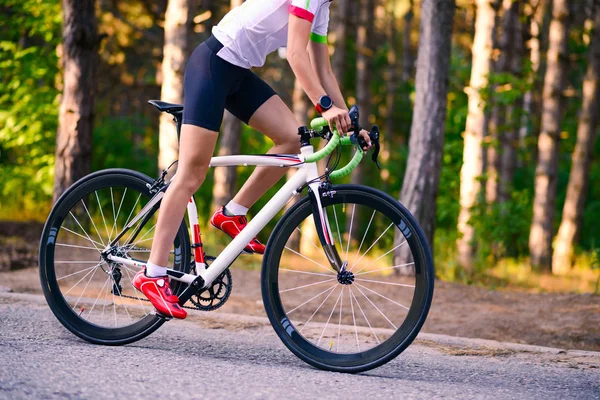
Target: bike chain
[{"x": 139, "y": 298}]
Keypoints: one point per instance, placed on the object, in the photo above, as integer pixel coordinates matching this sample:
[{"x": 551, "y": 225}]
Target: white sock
[
  {"x": 153, "y": 270},
  {"x": 236, "y": 209}
]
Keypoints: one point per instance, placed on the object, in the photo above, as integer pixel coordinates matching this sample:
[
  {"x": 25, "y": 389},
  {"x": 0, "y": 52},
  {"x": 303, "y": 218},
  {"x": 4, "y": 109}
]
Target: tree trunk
[
  {"x": 582, "y": 156},
  {"x": 498, "y": 122},
  {"x": 535, "y": 14},
  {"x": 363, "y": 83},
  {"x": 391, "y": 94},
  {"x": 510, "y": 138},
  {"x": 407, "y": 53},
  {"x": 340, "y": 24},
  {"x": 476, "y": 130},
  {"x": 544, "y": 202},
  {"x": 76, "y": 115},
  {"x": 178, "y": 22},
  {"x": 421, "y": 181}
]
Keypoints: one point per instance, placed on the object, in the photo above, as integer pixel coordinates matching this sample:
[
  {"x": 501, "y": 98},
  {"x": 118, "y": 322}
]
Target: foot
[
  {"x": 233, "y": 225},
  {"x": 158, "y": 291}
]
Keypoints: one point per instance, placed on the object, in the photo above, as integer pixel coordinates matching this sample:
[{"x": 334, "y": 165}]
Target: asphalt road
[{"x": 232, "y": 357}]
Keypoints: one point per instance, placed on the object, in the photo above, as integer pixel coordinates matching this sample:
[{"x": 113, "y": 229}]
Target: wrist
[{"x": 325, "y": 103}]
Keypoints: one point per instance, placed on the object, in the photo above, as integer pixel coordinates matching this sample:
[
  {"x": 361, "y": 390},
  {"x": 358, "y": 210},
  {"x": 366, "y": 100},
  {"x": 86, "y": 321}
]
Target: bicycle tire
[
  {"x": 67, "y": 316},
  {"x": 424, "y": 276}
]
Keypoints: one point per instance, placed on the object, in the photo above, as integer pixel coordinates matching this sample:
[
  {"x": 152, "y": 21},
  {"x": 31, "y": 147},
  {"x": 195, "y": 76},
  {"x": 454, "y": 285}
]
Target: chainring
[{"x": 209, "y": 299}]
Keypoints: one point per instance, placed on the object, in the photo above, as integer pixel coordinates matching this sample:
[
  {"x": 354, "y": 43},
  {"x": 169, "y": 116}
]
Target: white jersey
[{"x": 258, "y": 27}]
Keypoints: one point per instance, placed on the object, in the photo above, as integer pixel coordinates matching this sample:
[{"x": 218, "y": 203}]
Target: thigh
[
  {"x": 248, "y": 96},
  {"x": 274, "y": 119},
  {"x": 204, "y": 92},
  {"x": 196, "y": 148}
]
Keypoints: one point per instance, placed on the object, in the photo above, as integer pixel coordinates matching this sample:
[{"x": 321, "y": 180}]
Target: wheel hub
[{"x": 345, "y": 277}]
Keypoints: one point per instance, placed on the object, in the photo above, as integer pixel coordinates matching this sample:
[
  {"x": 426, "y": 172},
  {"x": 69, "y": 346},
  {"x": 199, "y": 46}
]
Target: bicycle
[{"x": 99, "y": 233}]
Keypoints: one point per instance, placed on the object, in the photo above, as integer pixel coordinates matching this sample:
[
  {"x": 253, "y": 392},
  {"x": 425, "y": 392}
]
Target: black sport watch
[{"x": 324, "y": 104}]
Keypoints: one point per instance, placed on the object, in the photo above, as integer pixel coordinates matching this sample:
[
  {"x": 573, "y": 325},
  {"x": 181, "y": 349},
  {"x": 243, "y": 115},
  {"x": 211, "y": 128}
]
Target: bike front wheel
[
  {"x": 92, "y": 297},
  {"x": 368, "y": 315}
]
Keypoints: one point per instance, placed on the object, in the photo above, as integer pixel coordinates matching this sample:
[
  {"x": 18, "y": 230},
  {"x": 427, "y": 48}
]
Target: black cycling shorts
[{"x": 212, "y": 85}]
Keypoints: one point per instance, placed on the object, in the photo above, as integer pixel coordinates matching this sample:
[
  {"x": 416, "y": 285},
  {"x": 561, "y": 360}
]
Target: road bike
[{"x": 347, "y": 276}]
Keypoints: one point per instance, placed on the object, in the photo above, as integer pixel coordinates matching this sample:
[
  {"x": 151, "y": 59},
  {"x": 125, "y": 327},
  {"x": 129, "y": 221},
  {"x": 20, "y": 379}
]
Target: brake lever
[{"x": 374, "y": 135}]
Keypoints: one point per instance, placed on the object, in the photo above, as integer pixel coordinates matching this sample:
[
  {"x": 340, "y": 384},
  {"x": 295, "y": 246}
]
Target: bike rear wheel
[
  {"x": 365, "y": 318},
  {"x": 91, "y": 297}
]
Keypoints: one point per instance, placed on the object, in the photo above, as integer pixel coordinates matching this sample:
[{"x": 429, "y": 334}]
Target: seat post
[{"x": 178, "y": 117}]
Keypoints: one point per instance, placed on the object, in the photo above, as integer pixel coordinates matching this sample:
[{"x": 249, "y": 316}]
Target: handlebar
[{"x": 320, "y": 124}]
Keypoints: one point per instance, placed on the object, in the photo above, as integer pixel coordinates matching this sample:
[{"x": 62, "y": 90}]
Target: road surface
[{"x": 226, "y": 356}]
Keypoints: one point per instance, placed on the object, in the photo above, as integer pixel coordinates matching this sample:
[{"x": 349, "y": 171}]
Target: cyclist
[{"x": 218, "y": 77}]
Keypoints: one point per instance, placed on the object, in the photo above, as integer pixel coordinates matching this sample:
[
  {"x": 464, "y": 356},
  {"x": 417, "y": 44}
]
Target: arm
[
  {"x": 321, "y": 64},
  {"x": 298, "y": 57}
]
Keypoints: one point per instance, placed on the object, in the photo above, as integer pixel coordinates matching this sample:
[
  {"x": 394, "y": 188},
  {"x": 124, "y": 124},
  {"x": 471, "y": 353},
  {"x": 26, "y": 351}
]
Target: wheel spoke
[
  {"x": 304, "y": 272},
  {"x": 312, "y": 298},
  {"x": 365, "y": 235},
  {"x": 122, "y": 301},
  {"x": 370, "y": 247},
  {"x": 132, "y": 209},
  {"x": 354, "y": 319},
  {"x": 385, "y": 283},
  {"x": 75, "y": 273},
  {"x": 383, "y": 255},
  {"x": 330, "y": 314},
  {"x": 98, "y": 297},
  {"x": 112, "y": 203},
  {"x": 350, "y": 232},
  {"x": 317, "y": 310},
  {"x": 357, "y": 273},
  {"x": 77, "y": 262},
  {"x": 77, "y": 283},
  {"x": 338, "y": 228},
  {"x": 377, "y": 308},
  {"x": 305, "y": 286},
  {"x": 307, "y": 258},
  {"x": 311, "y": 242},
  {"x": 85, "y": 233},
  {"x": 337, "y": 345},
  {"x": 363, "y": 314},
  {"x": 85, "y": 288},
  {"x": 72, "y": 245},
  {"x": 102, "y": 213},
  {"x": 93, "y": 223},
  {"x": 382, "y": 296},
  {"x": 118, "y": 210}
]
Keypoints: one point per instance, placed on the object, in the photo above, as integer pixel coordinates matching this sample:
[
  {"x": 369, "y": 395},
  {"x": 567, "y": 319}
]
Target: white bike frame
[{"x": 307, "y": 174}]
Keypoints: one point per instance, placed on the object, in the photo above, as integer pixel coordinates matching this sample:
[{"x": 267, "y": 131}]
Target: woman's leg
[
  {"x": 274, "y": 119},
  {"x": 195, "y": 151}
]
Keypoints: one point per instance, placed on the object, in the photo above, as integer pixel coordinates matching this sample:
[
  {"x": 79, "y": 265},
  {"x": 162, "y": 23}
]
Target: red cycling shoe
[
  {"x": 158, "y": 291},
  {"x": 233, "y": 225}
]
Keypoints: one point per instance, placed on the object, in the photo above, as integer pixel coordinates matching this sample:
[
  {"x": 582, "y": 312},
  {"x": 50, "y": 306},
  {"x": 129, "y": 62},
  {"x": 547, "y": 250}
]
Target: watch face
[{"x": 326, "y": 102}]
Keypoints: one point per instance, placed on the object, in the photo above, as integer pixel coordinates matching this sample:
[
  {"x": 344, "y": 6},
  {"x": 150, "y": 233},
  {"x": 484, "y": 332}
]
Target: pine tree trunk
[
  {"x": 476, "y": 130},
  {"x": 76, "y": 115},
  {"x": 421, "y": 181},
  {"x": 339, "y": 24},
  {"x": 582, "y": 156},
  {"x": 498, "y": 122},
  {"x": 178, "y": 22},
  {"x": 407, "y": 53},
  {"x": 544, "y": 203},
  {"x": 391, "y": 95},
  {"x": 538, "y": 30},
  {"x": 510, "y": 138}
]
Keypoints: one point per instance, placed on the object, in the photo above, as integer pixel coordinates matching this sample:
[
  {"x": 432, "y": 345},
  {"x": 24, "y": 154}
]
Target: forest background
[{"x": 517, "y": 208}]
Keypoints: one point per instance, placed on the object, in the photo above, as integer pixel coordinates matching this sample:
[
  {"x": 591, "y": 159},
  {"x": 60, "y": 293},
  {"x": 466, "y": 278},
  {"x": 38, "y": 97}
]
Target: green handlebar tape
[
  {"x": 346, "y": 141},
  {"x": 346, "y": 170},
  {"x": 318, "y": 123},
  {"x": 325, "y": 151}
]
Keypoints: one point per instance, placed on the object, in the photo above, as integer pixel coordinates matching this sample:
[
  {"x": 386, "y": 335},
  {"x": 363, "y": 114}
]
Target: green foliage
[{"x": 28, "y": 103}]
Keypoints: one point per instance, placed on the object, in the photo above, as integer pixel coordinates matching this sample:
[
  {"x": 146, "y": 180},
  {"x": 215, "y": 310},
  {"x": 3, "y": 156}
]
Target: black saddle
[{"x": 170, "y": 108}]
